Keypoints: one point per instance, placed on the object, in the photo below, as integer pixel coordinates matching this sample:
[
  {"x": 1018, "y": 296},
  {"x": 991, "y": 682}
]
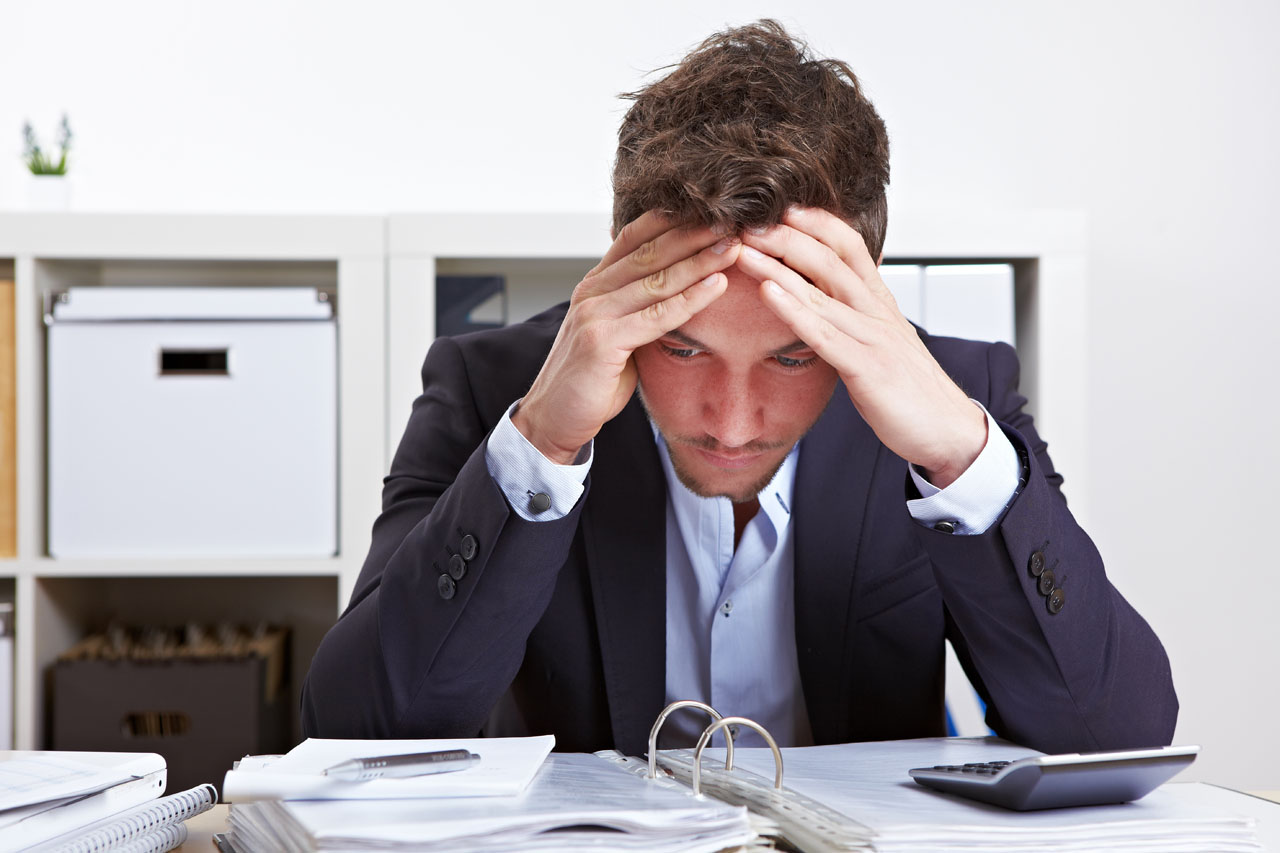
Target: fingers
[
  {"x": 829, "y": 253},
  {"x": 664, "y": 283},
  {"x": 834, "y": 232},
  {"x": 646, "y": 246},
  {"x": 833, "y": 344},
  {"x": 645, "y": 227},
  {"x": 657, "y": 318}
]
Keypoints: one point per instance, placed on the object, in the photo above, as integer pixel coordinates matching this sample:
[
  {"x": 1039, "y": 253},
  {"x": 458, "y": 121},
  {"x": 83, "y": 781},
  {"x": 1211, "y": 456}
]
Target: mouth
[{"x": 731, "y": 462}]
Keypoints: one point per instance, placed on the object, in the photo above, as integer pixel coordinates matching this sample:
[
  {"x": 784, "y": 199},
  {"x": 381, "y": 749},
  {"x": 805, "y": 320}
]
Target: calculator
[{"x": 1059, "y": 781}]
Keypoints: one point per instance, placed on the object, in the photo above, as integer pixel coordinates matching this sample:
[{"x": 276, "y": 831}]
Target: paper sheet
[
  {"x": 576, "y": 802},
  {"x": 506, "y": 767}
]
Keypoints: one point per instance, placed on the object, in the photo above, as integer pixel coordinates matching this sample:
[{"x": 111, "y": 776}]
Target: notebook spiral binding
[{"x": 144, "y": 822}]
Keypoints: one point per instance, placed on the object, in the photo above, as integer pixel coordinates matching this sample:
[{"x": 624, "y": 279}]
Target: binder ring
[
  {"x": 723, "y": 723},
  {"x": 662, "y": 718}
]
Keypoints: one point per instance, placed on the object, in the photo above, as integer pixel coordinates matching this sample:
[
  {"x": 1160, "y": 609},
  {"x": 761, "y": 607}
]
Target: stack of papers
[
  {"x": 864, "y": 787},
  {"x": 506, "y": 767},
  {"x": 576, "y": 802}
]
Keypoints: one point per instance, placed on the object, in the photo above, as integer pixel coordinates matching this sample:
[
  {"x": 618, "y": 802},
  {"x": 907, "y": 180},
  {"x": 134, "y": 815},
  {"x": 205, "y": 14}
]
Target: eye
[
  {"x": 678, "y": 352},
  {"x": 794, "y": 363}
]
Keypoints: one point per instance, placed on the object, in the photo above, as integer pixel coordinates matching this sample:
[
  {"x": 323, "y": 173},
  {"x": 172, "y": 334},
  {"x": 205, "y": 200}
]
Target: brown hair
[{"x": 746, "y": 125}]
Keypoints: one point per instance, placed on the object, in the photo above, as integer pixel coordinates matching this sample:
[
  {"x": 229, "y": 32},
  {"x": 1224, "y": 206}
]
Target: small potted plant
[{"x": 48, "y": 187}]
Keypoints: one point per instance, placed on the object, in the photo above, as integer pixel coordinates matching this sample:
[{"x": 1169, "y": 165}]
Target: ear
[{"x": 880, "y": 260}]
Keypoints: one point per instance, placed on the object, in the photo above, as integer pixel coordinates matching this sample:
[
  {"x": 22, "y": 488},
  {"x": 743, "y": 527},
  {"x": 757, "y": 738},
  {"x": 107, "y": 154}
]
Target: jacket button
[
  {"x": 457, "y": 567},
  {"x": 1035, "y": 565},
  {"x": 945, "y": 527},
  {"x": 469, "y": 547},
  {"x": 541, "y": 502},
  {"x": 1056, "y": 600},
  {"x": 1046, "y": 582},
  {"x": 446, "y": 587}
]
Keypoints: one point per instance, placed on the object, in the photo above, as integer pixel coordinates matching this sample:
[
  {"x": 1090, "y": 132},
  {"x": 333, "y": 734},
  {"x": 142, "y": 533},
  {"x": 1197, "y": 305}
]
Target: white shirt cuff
[
  {"x": 977, "y": 498},
  {"x": 521, "y": 471}
]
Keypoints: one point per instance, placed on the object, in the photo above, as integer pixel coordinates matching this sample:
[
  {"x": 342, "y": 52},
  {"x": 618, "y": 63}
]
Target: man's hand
[
  {"x": 852, "y": 322},
  {"x": 652, "y": 280}
]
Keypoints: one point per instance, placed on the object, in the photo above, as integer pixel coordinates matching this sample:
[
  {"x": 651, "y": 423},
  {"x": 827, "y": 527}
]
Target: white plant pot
[{"x": 48, "y": 192}]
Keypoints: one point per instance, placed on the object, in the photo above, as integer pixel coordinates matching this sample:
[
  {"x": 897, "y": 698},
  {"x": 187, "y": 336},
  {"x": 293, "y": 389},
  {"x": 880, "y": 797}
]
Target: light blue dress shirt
[{"x": 730, "y": 626}]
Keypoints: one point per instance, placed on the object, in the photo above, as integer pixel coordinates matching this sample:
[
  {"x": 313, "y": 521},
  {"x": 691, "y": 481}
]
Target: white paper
[
  {"x": 578, "y": 802},
  {"x": 869, "y": 783},
  {"x": 506, "y": 767}
]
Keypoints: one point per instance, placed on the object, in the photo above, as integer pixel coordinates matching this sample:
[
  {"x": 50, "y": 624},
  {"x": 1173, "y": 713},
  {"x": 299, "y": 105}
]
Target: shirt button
[
  {"x": 726, "y": 608},
  {"x": 541, "y": 502},
  {"x": 945, "y": 527}
]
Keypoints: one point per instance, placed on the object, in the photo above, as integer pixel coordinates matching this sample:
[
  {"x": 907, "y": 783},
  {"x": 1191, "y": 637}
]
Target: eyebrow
[{"x": 694, "y": 343}]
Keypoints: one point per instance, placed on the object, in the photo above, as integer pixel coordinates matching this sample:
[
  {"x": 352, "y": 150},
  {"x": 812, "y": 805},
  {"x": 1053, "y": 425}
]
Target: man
[{"x": 730, "y": 470}]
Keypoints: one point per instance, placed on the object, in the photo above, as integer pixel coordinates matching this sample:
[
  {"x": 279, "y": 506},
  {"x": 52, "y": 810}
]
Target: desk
[
  {"x": 200, "y": 830},
  {"x": 202, "y": 827}
]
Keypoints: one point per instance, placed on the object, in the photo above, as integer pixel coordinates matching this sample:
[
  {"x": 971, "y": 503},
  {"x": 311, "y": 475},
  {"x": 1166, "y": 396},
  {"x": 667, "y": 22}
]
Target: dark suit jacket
[{"x": 562, "y": 623}]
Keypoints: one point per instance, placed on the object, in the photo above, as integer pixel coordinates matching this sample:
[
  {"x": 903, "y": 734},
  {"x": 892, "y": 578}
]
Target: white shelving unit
[
  {"x": 58, "y": 600},
  {"x": 380, "y": 271}
]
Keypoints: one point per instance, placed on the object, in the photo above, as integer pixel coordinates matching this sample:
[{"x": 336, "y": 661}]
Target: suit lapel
[
  {"x": 624, "y": 531},
  {"x": 833, "y": 482}
]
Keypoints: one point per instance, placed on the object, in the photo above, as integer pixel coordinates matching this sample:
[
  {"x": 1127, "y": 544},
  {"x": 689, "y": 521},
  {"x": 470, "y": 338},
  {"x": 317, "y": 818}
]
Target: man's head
[{"x": 746, "y": 126}]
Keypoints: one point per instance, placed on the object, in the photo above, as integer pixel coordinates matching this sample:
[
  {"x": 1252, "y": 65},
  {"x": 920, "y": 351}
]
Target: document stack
[
  {"x": 825, "y": 799},
  {"x": 562, "y": 802}
]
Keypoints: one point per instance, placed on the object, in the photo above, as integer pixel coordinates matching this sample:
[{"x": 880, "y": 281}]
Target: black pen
[{"x": 401, "y": 766}]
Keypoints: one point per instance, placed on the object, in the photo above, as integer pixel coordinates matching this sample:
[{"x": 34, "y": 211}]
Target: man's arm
[
  {"x": 1064, "y": 662},
  {"x": 1068, "y": 669},
  {"x": 419, "y": 653},
  {"x": 456, "y": 580}
]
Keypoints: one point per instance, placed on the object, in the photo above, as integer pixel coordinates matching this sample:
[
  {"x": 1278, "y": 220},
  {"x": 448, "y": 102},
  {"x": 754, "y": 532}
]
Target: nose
[{"x": 732, "y": 413}]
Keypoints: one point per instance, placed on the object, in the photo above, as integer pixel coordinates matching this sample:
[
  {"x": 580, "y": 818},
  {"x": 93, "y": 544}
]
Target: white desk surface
[{"x": 201, "y": 828}]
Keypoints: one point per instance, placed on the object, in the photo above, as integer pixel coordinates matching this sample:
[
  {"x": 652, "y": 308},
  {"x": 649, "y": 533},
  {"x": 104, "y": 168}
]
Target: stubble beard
[{"x": 706, "y": 442}]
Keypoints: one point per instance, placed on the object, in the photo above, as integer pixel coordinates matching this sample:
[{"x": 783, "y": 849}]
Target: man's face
[{"x": 732, "y": 391}]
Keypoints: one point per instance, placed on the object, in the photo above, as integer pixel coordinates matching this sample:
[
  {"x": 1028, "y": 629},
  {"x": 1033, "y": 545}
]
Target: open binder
[{"x": 851, "y": 797}]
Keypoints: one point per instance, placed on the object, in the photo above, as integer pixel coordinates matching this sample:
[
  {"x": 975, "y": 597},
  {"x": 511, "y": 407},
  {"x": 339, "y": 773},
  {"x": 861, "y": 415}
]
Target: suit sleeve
[
  {"x": 453, "y": 584},
  {"x": 1063, "y": 661}
]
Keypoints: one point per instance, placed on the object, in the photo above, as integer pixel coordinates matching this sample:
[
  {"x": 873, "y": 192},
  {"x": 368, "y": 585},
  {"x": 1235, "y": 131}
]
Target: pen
[{"x": 401, "y": 766}]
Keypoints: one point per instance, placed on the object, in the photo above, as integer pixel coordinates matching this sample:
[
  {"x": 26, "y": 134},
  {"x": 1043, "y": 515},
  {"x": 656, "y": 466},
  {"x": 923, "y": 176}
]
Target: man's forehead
[{"x": 739, "y": 319}]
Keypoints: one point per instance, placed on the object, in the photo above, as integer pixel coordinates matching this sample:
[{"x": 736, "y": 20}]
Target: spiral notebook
[{"x": 153, "y": 827}]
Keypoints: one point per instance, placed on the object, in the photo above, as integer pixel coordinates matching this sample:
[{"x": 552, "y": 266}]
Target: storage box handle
[{"x": 194, "y": 362}]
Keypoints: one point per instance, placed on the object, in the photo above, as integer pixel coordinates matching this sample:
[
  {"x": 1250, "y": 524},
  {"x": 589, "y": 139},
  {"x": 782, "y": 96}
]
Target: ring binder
[
  {"x": 724, "y": 724},
  {"x": 662, "y": 718}
]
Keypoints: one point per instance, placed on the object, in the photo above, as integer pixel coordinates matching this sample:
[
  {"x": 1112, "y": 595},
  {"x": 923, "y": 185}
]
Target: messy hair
[{"x": 747, "y": 125}]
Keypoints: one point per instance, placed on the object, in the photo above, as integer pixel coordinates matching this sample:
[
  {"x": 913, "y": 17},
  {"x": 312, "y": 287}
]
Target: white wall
[{"x": 1159, "y": 119}]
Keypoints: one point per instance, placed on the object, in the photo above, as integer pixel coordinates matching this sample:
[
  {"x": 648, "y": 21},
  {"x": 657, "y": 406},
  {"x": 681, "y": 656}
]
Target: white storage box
[{"x": 192, "y": 422}]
